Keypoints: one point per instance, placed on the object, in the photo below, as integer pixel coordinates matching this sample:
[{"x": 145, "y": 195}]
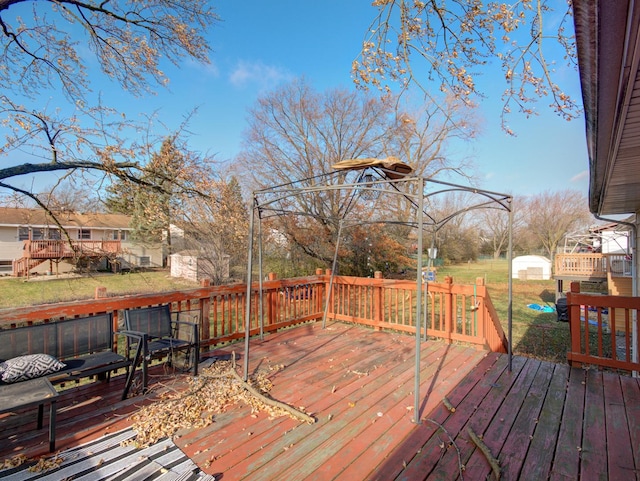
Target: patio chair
[{"x": 162, "y": 336}]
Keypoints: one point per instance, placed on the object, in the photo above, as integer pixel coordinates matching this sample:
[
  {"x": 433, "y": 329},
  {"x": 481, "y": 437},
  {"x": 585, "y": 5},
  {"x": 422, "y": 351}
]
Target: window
[
  {"x": 37, "y": 233},
  {"x": 6, "y": 266},
  {"x": 119, "y": 235},
  {"x": 84, "y": 234},
  {"x": 54, "y": 234},
  {"x": 23, "y": 233},
  {"x": 145, "y": 261}
]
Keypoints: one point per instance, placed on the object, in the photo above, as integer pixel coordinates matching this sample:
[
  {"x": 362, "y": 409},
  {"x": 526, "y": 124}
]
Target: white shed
[
  {"x": 193, "y": 266},
  {"x": 531, "y": 268}
]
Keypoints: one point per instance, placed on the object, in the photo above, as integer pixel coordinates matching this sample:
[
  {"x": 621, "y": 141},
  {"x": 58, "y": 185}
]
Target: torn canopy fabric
[{"x": 391, "y": 166}]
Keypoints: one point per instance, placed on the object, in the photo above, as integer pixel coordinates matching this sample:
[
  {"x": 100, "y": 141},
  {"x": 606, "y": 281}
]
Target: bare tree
[
  {"x": 216, "y": 228},
  {"x": 43, "y": 50},
  {"x": 493, "y": 229},
  {"x": 297, "y": 134},
  {"x": 451, "y": 41},
  {"x": 550, "y": 216}
]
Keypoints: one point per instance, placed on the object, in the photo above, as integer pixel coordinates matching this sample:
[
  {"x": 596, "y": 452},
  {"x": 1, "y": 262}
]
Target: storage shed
[
  {"x": 531, "y": 268},
  {"x": 194, "y": 266}
]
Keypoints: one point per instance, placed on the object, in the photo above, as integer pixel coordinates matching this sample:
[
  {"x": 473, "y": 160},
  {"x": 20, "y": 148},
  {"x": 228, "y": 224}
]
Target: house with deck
[{"x": 32, "y": 242}]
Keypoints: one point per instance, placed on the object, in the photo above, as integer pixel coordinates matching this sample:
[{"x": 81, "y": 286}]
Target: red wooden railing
[
  {"x": 50, "y": 249},
  {"x": 454, "y": 312},
  {"x": 602, "y": 330}
]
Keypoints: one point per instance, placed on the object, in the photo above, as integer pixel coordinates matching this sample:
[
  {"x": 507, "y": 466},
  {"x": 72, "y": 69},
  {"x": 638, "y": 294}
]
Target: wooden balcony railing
[
  {"x": 454, "y": 312},
  {"x": 602, "y": 330},
  {"x": 592, "y": 265},
  {"x": 52, "y": 249}
]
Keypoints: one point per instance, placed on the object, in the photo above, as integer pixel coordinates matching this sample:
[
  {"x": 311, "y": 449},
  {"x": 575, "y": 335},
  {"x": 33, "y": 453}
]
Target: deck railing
[
  {"x": 462, "y": 313},
  {"x": 51, "y": 249},
  {"x": 592, "y": 265},
  {"x": 454, "y": 312},
  {"x": 602, "y": 330}
]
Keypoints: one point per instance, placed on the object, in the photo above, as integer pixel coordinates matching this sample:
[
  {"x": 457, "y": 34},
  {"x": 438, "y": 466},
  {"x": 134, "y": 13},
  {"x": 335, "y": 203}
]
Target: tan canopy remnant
[{"x": 392, "y": 166}]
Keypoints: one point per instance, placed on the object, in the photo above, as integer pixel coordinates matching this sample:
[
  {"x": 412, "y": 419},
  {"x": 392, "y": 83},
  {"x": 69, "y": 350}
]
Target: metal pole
[
  {"x": 260, "y": 274},
  {"x": 510, "y": 284},
  {"x": 333, "y": 273},
  {"x": 247, "y": 324},
  {"x": 418, "y": 302}
]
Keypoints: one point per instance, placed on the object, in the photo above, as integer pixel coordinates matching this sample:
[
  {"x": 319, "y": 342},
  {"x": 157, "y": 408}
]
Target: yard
[{"x": 535, "y": 333}]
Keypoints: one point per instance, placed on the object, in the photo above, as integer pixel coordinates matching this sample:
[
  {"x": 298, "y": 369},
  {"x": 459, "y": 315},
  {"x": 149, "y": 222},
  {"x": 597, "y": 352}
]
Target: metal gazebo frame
[{"x": 365, "y": 183}]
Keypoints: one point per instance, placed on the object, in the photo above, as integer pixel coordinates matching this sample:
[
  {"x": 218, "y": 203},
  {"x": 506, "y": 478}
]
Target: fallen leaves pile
[
  {"x": 43, "y": 464},
  {"x": 214, "y": 390}
]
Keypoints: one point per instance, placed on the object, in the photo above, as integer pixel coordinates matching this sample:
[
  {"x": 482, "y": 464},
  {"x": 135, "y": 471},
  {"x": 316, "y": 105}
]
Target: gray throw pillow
[{"x": 29, "y": 367}]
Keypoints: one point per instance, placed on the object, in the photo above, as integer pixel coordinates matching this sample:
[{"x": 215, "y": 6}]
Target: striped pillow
[{"x": 29, "y": 367}]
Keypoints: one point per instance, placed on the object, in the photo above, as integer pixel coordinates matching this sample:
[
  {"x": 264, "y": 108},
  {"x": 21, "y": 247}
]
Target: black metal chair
[{"x": 161, "y": 336}]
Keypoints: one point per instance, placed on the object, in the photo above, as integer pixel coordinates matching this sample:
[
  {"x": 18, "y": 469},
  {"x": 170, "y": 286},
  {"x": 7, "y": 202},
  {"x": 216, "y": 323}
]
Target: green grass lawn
[
  {"x": 17, "y": 292},
  {"x": 535, "y": 334}
]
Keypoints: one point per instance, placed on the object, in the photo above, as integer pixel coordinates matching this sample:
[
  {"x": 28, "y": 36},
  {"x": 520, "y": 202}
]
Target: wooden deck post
[
  {"x": 478, "y": 310},
  {"x": 574, "y": 323},
  {"x": 205, "y": 309},
  {"x": 318, "y": 293},
  {"x": 272, "y": 302},
  {"x": 377, "y": 302},
  {"x": 448, "y": 309}
]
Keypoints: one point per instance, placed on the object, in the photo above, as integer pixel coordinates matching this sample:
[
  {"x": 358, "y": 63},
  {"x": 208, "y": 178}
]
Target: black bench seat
[{"x": 84, "y": 345}]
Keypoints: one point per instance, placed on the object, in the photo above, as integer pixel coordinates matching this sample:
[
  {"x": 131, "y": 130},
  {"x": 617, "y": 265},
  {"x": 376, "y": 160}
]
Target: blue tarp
[{"x": 538, "y": 307}]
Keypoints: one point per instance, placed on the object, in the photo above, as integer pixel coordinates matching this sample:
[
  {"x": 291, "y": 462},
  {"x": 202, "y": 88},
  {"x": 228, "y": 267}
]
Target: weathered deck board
[
  {"x": 567, "y": 460},
  {"x": 540, "y": 420}
]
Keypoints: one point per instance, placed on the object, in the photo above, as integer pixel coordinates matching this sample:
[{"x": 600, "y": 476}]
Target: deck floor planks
[
  {"x": 439, "y": 446},
  {"x": 485, "y": 402},
  {"x": 631, "y": 394},
  {"x": 396, "y": 421},
  {"x": 381, "y": 442},
  {"x": 597, "y": 411},
  {"x": 336, "y": 374},
  {"x": 566, "y": 463},
  {"x": 620, "y": 456},
  {"x": 496, "y": 433},
  {"x": 396, "y": 460},
  {"x": 540, "y": 454},
  {"x": 345, "y": 406},
  {"x": 594, "y": 446},
  {"x": 515, "y": 448}
]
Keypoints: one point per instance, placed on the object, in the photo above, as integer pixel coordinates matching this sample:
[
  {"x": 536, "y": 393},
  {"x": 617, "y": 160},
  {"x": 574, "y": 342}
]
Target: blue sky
[{"x": 259, "y": 44}]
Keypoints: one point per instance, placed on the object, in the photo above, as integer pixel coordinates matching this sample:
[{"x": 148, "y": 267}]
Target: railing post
[
  {"x": 377, "y": 302},
  {"x": 574, "y": 323},
  {"x": 478, "y": 310},
  {"x": 448, "y": 309},
  {"x": 272, "y": 302},
  {"x": 205, "y": 309},
  {"x": 318, "y": 292}
]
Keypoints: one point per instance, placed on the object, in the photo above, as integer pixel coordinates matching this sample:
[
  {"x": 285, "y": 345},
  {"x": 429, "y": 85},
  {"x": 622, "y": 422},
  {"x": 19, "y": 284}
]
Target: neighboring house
[
  {"x": 31, "y": 242},
  {"x": 612, "y": 238}
]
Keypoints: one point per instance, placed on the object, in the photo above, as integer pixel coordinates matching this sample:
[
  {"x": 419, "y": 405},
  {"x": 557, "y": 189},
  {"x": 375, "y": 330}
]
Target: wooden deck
[{"x": 541, "y": 421}]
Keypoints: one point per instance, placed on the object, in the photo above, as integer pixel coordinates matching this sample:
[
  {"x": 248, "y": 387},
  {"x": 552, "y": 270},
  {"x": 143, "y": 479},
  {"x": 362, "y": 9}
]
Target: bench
[
  {"x": 161, "y": 336},
  {"x": 84, "y": 345}
]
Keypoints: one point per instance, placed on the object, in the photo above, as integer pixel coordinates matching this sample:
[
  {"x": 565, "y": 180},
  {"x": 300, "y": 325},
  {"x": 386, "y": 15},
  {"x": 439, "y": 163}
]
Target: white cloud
[
  {"x": 581, "y": 176},
  {"x": 259, "y": 74}
]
